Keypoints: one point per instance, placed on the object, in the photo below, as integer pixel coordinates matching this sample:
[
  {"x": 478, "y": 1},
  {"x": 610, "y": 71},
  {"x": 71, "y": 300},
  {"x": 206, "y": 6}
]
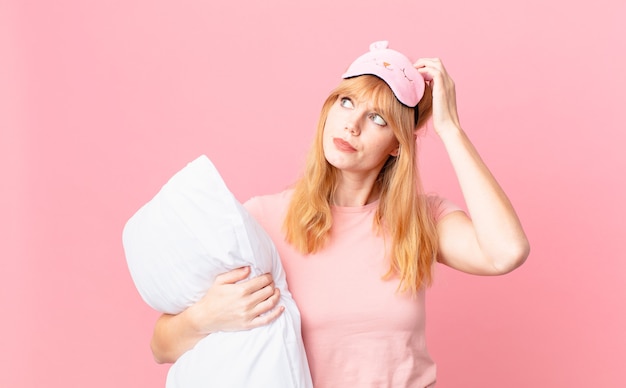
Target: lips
[{"x": 343, "y": 145}]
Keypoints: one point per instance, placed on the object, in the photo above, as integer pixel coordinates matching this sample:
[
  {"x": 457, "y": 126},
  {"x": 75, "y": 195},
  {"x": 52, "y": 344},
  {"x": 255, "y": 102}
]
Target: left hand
[{"x": 444, "y": 95}]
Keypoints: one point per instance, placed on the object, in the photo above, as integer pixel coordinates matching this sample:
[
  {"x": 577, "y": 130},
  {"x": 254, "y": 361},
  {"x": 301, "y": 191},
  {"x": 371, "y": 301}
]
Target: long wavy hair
[{"x": 403, "y": 214}]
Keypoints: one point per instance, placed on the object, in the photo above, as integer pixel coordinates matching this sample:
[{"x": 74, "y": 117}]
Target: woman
[{"x": 358, "y": 237}]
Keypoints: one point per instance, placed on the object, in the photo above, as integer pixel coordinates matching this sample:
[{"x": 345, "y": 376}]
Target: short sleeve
[{"x": 441, "y": 207}]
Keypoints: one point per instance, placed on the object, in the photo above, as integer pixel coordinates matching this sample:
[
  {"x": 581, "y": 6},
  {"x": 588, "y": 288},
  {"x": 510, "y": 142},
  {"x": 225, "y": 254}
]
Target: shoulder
[
  {"x": 440, "y": 206},
  {"x": 269, "y": 205}
]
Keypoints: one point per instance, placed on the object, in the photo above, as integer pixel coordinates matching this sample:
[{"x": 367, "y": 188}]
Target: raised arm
[
  {"x": 229, "y": 305},
  {"x": 492, "y": 241}
]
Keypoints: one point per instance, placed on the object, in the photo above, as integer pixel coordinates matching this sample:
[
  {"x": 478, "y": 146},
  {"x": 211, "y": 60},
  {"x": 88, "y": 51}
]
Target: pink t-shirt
[{"x": 357, "y": 330}]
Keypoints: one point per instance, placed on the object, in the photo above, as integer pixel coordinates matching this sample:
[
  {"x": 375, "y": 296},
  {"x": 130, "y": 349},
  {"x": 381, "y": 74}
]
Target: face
[{"x": 357, "y": 138}]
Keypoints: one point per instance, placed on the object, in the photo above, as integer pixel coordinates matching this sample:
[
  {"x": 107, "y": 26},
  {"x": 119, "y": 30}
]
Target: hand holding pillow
[{"x": 177, "y": 244}]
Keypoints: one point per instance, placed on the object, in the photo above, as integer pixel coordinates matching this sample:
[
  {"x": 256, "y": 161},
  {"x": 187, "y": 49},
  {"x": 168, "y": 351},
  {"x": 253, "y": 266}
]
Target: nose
[{"x": 352, "y": 126}]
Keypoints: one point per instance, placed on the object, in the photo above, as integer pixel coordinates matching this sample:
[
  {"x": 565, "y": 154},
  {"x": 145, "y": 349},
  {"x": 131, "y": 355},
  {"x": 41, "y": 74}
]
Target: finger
[
  {"x": 431, "y": 66},
  {"x": 430, "y": 73},
  {"x": 426, "y": 73},
  {"x": 269, "y": 317},
  {"x": 268, "y": 302},
  {"x": 424, "y": 62},
  {"x": 263, "y": 294},
  {"x": 233, "y": 276},
  {"x": 434, "y": 73},
  {"x": 257, "y": 283}
]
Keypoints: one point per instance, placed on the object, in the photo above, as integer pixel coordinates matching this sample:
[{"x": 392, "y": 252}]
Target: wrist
[
  {"x": 195, "y": 321},
  {"x": 449, "y": 130}
]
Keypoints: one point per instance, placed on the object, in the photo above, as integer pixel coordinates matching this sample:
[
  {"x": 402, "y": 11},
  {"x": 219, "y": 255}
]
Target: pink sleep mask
[{"x": 392, "y": 67}]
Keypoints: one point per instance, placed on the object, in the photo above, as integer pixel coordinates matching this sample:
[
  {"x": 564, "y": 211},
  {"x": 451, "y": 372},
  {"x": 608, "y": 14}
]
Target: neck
[{"x": 353, "y": 192}]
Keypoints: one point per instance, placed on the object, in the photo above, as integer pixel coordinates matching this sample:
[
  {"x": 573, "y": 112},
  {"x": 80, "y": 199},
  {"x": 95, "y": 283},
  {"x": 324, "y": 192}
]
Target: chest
[{"x": 342, "y": 287}]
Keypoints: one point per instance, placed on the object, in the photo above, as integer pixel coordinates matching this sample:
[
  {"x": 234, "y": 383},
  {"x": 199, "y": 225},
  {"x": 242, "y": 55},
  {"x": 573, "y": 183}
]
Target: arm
[
  {"x": 493, "y": 241},
  {"x": 229, "y": 305}
]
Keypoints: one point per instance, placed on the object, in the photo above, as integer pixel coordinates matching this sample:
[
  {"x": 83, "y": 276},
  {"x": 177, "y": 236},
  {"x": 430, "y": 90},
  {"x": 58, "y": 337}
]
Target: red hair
[{"x": 403, "y": 214}]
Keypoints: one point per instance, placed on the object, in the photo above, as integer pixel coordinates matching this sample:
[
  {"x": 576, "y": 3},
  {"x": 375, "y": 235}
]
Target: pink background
[{"x": 102, "y": 101}]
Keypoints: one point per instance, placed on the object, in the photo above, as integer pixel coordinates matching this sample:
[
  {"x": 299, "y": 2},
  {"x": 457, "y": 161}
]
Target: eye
[
  {"x": 346, "y": 103},
  {"x": 376, "y": 118}
]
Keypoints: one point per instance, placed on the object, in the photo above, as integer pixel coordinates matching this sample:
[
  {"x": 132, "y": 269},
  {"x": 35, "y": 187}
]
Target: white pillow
[{"x": 191, "y": 231}]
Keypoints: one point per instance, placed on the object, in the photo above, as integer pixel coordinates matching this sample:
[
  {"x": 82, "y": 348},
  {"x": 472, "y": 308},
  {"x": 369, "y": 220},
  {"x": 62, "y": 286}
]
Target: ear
[{"x": 396, "y": 151}]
